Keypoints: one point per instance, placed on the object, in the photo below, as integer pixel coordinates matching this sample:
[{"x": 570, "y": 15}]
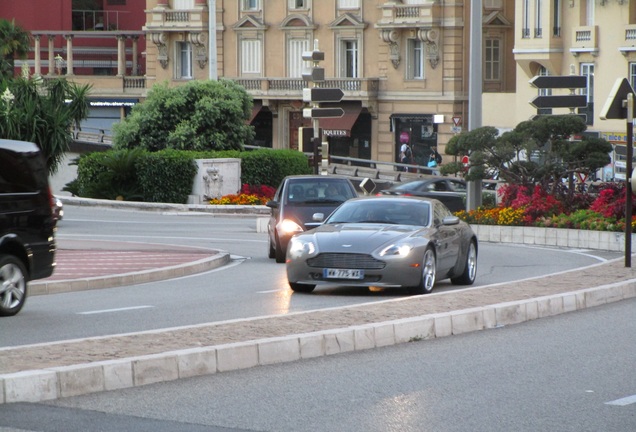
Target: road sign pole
[{"x": 628, "y": 183}]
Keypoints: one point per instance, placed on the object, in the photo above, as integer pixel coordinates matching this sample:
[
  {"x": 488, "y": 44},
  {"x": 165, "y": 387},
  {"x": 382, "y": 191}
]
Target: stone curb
[
  {"x": 74, "y": 380},
  {"x": 217, "y": 260}
]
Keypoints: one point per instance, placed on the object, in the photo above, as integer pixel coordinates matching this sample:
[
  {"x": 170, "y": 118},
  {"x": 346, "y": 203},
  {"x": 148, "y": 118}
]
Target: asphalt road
[
  {"x": 572, "y": 372},
  {"x": 251, "y": 286}
]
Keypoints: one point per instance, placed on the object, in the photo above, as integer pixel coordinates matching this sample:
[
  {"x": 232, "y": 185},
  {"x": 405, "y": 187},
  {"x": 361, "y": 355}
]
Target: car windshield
[
  {"x": 321, "y": 191},
  {"x": 372, "y": 211}
]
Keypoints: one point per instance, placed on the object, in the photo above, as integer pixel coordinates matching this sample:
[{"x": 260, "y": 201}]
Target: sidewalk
[{"x": 50, "y": 371}]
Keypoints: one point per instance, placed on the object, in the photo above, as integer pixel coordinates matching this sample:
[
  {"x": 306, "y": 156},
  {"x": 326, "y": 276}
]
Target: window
[
  {"x": 250, "y": 5},
  {"x": 556, "y": 16},
  {"x": 492, "y": 59},
  {"x": 348, "y": 4},
  {"x": 525, "y": 31},
  {"x": 298, "y": 4},
  {"x": 538, "y": 27},
  {"x": 184, "y": 60},
  {"x": 415, "y": 60},
  {"x": 587, "y": 69},
  {"x": 251, "y": 56},
  {"x": 544, "y": 92},
  {"x": 296, "y": 64},
  {"x": 493, "y": 4},
  {"x": 183, "y": 4},
  {"x": 349, "y": 66},
  {"x": 632, "y": 74},
  {"x": 589, "y": 13}
]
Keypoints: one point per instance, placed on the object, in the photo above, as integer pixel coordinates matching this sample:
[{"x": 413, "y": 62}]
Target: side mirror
[
  {"x": 450, "y": 220},
  {"x": 318, "y": 217},
  {"x": 272, "y": 204}
]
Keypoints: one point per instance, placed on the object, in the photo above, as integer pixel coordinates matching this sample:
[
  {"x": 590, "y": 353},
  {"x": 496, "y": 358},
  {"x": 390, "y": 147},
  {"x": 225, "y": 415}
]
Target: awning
[
  {"x": 341, "y": 126},
  {"x": 258, "y": 106},
  {"x": 424, "y": 118}
]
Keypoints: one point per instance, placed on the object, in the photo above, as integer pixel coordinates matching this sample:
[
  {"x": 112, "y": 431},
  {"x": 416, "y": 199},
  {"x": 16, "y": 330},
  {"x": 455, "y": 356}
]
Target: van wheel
[{"x": 13, "y": 285}]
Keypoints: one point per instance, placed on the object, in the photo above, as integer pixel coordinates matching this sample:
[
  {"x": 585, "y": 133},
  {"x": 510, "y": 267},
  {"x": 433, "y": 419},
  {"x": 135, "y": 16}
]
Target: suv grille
[{"x": 344, "y": 260}]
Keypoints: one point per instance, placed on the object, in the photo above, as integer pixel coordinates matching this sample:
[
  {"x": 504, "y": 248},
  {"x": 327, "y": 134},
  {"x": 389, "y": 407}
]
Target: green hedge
[{"x": 168, "y": 175}]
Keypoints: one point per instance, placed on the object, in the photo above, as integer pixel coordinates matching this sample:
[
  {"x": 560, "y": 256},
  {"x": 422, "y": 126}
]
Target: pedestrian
[
  {"x": 406, "y": 155},
  {"x": 435, "y": 158}
]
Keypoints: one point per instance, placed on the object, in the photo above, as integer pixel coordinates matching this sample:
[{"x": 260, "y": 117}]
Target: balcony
[
  {"x": 629, "y": 46},
  {"x": 539, "y": 45},
  {"x": 110, "y": 61},
  {"x": 396, "y": 16},
  {"x": 167, "y": 20},
  {"x": 364, "y": 89},
  {"x": 585, "y": 40}
]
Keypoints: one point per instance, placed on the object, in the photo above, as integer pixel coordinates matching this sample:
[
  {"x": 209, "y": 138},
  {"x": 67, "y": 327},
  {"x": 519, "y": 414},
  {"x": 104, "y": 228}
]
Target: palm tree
[
  {"x": 14, "y": 42},
  {"x": 42, "y": 112}
]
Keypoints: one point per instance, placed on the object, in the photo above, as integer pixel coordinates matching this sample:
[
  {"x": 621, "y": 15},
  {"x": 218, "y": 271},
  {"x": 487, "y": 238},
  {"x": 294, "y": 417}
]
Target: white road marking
[
  {"x": 623, "y": 402},
  {"x": 270, "y": 291},
  {"x": 114, "y": 310}
]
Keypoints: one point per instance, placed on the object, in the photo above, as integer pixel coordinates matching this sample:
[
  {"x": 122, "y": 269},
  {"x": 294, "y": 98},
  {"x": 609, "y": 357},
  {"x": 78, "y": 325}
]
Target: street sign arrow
[
  {"x": 315, "y": 74},
  {"x": 317, "y": 94},
  {"x": 559, "y": 81},
  {"x": 322, "y": 112},
  {"x": 613, "y": 108},
  {"x": 559, "y": 101}
]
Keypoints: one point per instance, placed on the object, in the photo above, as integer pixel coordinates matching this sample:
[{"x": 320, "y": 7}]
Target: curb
[{"x": 59, "y": 382}]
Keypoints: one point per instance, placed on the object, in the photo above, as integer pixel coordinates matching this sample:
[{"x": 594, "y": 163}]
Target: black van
[{"x": 27, "y": 226}]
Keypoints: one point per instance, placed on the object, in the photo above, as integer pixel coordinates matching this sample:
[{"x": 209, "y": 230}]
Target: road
[
  {"x": 251, "y": 286},
  {"x": 572, "y": 372}
]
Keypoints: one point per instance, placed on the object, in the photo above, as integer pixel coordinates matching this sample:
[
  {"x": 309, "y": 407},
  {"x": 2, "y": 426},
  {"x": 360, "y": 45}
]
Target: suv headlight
[{"x": 288, "y": 226}]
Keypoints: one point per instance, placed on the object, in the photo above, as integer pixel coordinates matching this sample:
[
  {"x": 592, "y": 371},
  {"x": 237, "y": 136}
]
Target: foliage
[
  {"x": 537, "y": 152},
  {"x": 37, "y": 111},
  {"x": 611, "y": 201},
  {"x": 249, "y": 195},
  {"x": 110, "y": 175},
  {"x": 269, "y": 167},
  {"x": 166, "y": 176},
  {"x": 14, "y": 42},
  {"x": 200, "y": 115}
]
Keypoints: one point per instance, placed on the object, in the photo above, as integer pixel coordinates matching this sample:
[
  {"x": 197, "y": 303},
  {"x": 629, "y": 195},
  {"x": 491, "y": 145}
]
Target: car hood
[
  {"x": 362, "y": 238},
  {"x": 303, "y": 212}
]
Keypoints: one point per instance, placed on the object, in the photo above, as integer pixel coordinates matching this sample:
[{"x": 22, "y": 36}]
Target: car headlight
[
  {"x": 298, "y": 248},
  {"x": 288, "y": 226},
  {"x": 396, "y": 250}
]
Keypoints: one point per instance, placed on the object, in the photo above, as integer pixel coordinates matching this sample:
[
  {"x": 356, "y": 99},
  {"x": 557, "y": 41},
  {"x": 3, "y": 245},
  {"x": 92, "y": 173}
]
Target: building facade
[
  {"x": 594, "y": 38},
  {"x": 401, "y": 65}
]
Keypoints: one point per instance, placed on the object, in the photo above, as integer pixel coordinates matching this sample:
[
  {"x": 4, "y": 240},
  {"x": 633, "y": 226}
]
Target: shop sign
[{"x": 336, "y": 132}]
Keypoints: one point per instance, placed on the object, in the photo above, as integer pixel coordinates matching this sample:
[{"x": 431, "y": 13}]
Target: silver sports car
[{"x": 389, "y": 242}]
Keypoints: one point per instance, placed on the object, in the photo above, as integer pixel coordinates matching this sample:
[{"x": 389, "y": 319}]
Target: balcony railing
[
  {"x": 167, "y": 20},
  {"x": 630, "y": 40},
  {"x": 286, "y": 87},
  {"x": 585, "y": 40},
  {"x": 400, "y": 15}
]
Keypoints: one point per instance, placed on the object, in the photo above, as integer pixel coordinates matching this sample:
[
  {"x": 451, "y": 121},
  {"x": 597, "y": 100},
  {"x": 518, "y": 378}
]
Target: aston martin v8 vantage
[{"x": 387, "y": 242}]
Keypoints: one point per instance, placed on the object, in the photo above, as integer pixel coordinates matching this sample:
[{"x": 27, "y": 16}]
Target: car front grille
[{"x": 346, "y": 260}]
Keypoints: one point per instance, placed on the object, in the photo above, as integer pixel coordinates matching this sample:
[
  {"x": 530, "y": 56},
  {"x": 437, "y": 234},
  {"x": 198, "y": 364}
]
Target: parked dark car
[
  {"x": 448, "y": 190},
  {"x": 296, "y": 201},
  {"x": 388, "y": 242},
  {"x": 27, "y": 225}
]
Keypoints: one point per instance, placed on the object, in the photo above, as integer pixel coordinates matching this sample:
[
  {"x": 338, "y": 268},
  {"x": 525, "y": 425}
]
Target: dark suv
[
  {"x": 296, "y": 200},
  {"x": 27, "y": 226}
]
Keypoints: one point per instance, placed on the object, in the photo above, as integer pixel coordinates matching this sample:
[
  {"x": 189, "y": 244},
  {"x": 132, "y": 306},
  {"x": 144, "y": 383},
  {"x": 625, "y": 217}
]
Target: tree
[
  {"x": 537, "y": 152},
  {"x": 200, "y": 115},
  {"x": 14, "y": 42},
  {"x": 42, "y": 112}
]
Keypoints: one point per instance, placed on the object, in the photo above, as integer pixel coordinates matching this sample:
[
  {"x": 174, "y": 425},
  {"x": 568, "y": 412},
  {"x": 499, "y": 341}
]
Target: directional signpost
[
  {"x": 316, "y": 95},
  {"x": 571, "y": 82},
  {"x": 620, "y": 105}
]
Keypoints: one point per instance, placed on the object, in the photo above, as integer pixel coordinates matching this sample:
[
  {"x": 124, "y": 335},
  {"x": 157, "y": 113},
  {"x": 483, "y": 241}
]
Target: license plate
[{"x": 342, "y": 273}]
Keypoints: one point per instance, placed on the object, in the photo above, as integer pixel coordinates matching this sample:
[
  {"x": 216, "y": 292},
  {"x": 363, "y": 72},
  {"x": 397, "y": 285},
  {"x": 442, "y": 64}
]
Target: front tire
[
  {"x": 429, "y": 272},
  {"x": 470, "y": 267},
  {"x": 272, "y": 250},
  {"x": 279, "y": 253},
  {"x": 301, "y": 288},
  {"x": 13, "y": 285}
]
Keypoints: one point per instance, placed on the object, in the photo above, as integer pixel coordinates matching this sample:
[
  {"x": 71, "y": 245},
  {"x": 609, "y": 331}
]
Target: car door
[{"x": 448, "y": 241}]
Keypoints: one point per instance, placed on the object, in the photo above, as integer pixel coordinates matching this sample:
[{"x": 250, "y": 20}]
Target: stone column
[
  {"x": 121, "y": 55},
  {"x": 69, "y": 54},
  {"x": 37, "y": 69},
  {"x": 135, "y": 39},
  {"x": 51, "y": 55}
]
